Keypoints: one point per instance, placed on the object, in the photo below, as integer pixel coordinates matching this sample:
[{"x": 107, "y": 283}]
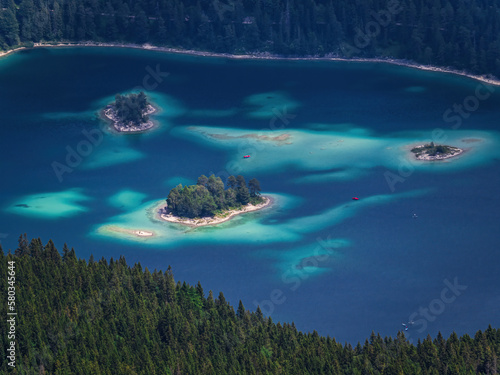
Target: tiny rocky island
[
  {"x": 130, "y": 113},
  {"x": 209, "y": 202},
  {"x": 431, "y": 151}
]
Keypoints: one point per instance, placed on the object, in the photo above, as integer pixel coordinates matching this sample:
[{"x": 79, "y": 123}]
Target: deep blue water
[{"x": 389, "y": 265}]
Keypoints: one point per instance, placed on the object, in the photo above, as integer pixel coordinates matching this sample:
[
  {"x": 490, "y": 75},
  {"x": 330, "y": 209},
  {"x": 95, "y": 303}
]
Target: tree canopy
[
  {"x": 459, "y": 34},
  {"x": 209, "y": 196},
  {"x": 131, "y": 108},
  {"x": 107, "y": 317}
]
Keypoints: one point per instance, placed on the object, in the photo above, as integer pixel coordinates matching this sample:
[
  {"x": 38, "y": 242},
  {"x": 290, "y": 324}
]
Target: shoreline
[
  {"x": 267, "y": 56},
  {"x": 109, "y": 115},
  {"x": 425, "y": 157},
  {"x": 6, "y": 53},
  {"x": 161, "y": 214}
]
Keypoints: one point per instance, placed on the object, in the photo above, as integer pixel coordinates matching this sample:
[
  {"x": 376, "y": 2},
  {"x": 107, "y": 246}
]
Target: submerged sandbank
[
  {"x": 132, "y": 232},
  {"x": 162, "y": 213}
]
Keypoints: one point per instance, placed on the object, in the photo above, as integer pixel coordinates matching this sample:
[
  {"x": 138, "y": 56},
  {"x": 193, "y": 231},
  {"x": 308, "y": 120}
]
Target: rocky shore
[
  {"x": 431, "y": 152},
  {"x": 110, "y": 113}
]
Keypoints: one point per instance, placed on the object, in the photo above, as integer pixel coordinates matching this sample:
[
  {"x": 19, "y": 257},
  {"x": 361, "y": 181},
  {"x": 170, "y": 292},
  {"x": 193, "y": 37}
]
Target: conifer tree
[
  {"x": 108, "y": 318},
  {"x": 254, "y": 187},
  {"x": 241, "y": 310}
]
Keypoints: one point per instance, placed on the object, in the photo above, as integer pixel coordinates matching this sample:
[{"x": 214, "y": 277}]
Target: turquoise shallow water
[{"x": 318, "y": 134}]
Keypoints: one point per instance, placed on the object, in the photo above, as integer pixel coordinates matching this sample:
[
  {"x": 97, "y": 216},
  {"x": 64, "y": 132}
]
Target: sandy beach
[
  {"x": 132, "y": 232},
  {"x": 161, "y": 213},
  {"x": 5, "y": 53},
  {"x": 267, "y": 56}
]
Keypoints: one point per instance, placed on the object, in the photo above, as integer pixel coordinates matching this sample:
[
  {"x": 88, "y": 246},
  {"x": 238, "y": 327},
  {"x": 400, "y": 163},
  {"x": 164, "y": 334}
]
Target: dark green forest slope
[
  {"x": 78, "y": 317},
  {"x": 463, "y": 34}
]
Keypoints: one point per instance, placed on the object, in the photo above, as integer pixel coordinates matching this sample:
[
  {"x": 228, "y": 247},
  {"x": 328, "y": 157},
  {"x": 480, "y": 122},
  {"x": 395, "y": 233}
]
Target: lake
[{"x": 421, "y": 244}]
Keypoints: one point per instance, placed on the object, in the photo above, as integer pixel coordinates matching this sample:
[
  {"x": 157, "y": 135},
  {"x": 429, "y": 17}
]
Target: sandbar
[
  {"x": 471, "y": 140},
  {"x": 132, "y": 232},
  {"x": 284, "y": 138}
]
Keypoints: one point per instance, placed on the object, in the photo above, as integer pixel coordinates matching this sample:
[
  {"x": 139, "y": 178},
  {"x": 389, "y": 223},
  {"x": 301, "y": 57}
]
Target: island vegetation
[
  {"x": 103, "y": 316},
  {"x": 432, "y": 151},
  {"x": 130, "y": 113},
  {"x": 445, "y": 33},
  {"x": 209, "y": 197}
]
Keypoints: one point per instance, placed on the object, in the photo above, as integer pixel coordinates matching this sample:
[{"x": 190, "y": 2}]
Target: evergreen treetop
[
  {"x": 111, "y": 318},
  {"x": 131, "y": 108},
  {"x": 209, "y": 197},
  {"x": 446, "y": 33}
]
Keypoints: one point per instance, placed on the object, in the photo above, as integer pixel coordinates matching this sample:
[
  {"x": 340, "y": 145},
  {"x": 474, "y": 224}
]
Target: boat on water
[
  {"x": 355, "y": 198},
  {"x": 246, "y": 156}
]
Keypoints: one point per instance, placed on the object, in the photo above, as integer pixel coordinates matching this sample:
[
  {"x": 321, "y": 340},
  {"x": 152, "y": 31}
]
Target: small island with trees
[
  {"x": 431, "y": 151},
  {"x": 130, "y": 113},
  {"x": 209, "y": 202}
]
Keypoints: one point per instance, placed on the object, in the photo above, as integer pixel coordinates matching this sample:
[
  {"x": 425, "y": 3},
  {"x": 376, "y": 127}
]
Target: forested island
[
  {"x": 106, "y": 317},
  {"x": 130, "y": 113},
  {"x": 462, "y": 35},
  {"x": 431, "y": 151},
  {"x": 208, "y": 202}
]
